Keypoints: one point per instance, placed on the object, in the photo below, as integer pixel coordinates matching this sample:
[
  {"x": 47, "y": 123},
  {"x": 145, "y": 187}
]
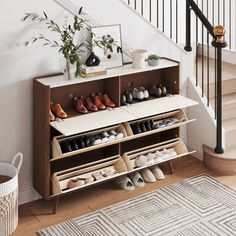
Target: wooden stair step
[{"x": 220, "y": 163}]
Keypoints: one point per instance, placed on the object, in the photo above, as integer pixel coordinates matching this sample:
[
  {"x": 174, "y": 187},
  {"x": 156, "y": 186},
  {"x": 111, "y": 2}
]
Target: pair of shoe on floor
[
  {"x": 93, "y": 103},
  {"x": 138, "y": 179}
]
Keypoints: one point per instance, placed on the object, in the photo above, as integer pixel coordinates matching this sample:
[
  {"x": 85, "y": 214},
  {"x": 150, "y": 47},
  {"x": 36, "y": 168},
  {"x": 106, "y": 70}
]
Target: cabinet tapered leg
[
  {"x": 171, "y": 167},
  {"x": 55, "y": 204}
]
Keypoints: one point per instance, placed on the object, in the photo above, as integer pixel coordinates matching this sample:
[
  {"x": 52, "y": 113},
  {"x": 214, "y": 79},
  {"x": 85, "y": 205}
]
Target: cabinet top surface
[{"x": 58, "y": 81}]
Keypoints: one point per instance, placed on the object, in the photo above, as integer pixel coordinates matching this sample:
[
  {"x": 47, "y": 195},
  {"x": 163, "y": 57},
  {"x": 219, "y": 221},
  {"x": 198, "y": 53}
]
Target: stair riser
[
  {"x": 230, "y": 138},
  {"x": 228, "y": 86},
  {"x": 229, "y": 111}
]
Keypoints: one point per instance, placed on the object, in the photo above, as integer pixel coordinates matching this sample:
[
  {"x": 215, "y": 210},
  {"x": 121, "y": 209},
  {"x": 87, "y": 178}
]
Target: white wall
[{"x": 18, "y": 65}]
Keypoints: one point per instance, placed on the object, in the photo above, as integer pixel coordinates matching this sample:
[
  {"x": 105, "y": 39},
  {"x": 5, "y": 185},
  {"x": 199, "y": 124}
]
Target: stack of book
[{"x": 91, "y": 71}]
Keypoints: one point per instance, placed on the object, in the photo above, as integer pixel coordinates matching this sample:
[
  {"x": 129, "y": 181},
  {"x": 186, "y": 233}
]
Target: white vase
[
  {"x": 139, "y": 56},
  {"x": 67, "y": 69}
]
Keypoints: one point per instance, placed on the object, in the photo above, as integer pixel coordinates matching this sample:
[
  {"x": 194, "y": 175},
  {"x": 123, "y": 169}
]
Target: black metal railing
[
  {"x": 218, "y": 43},
  {"x": 167, "y": 16}
]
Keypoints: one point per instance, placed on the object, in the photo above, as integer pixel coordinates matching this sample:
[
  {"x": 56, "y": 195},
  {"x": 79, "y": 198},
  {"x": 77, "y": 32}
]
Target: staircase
[
  {"x": 223, "y": 163},
  {"x": 217, "y": 12}
]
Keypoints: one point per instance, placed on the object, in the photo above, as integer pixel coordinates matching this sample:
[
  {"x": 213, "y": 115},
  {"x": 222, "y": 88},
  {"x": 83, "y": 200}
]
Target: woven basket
[{"x": 9, "y": 196}]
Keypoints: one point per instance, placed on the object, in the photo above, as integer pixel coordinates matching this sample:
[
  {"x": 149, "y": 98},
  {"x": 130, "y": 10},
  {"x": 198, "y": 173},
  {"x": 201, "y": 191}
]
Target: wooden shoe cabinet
[{"x": 53, "y": 168}]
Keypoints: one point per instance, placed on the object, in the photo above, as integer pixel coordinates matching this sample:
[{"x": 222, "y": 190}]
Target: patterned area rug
[{"x": 199, "y": 206}]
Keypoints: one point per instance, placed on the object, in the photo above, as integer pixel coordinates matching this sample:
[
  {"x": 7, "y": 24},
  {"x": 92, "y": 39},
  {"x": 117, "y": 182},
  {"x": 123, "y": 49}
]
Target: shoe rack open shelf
[{"x": 53, "y": 168}]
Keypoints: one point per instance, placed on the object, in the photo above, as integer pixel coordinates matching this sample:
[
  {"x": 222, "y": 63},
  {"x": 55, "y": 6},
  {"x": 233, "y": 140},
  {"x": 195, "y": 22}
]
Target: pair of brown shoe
[
  {"x": 93, "y": 103},
  {"x": 56, "y": 111}
]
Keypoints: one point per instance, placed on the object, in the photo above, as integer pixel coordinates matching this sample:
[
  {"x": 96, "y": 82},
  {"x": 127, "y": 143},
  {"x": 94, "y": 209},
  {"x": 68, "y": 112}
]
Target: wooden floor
[{"x": 38, "y": 215}]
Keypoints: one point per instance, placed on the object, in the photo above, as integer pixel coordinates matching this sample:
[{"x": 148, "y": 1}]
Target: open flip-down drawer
[
  {"x": 96, "y": 172},
  {"x": 155, "y": 154},
  {"x": 63, "y": 146}
]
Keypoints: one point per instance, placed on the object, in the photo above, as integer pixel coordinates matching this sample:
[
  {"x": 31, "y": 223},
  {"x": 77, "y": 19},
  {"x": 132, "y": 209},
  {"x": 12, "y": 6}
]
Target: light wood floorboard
[{"x": 38, "y": 215}]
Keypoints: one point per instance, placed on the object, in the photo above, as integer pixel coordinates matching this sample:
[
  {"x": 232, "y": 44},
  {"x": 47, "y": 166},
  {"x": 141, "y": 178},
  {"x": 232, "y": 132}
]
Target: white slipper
[
  {"x": 137, "y": 180},
  {"x": 125, "y": 183},
  {"x": 148, "y": 176},
  {"x": 157, "y": 173},
  {"x": 141, "y": 161}
]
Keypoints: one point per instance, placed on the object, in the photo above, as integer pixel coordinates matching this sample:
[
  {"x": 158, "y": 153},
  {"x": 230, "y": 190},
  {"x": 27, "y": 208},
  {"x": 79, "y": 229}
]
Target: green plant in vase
[{"x": 66, "y": 42}]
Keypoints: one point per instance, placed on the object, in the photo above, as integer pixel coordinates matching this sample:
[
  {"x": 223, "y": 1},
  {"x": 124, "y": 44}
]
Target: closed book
[
  {"x": 92, "y": 69},
  {"x": 94, "y": 74}
]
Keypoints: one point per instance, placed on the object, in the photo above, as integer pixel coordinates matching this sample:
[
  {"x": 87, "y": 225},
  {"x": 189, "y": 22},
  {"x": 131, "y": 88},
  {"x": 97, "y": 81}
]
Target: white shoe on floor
[
  {"x": 125, "y": 183},
  {"x": 148, "y": 176},
  {"x": 157, "y": 172},
  {"x": 137, "y": 180}
]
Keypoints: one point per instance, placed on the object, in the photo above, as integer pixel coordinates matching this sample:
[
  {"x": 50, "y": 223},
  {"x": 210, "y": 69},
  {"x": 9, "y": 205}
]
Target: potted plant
[
  {"x": 66, "y": 41},
  {"x": 153, "y": 60}
]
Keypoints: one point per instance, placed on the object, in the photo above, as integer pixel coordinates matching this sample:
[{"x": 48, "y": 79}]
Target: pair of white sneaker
[
  {"x": 145, "y": 160},
  {"x": 152, "y": 174},
  {"x": 166, "y": 153}
]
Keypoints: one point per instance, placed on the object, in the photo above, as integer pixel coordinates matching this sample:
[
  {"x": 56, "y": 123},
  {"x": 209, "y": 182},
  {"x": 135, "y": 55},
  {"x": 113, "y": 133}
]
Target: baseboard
[
  {"x": 28, "y": 195},
  {"x": 195, "y": 146}
]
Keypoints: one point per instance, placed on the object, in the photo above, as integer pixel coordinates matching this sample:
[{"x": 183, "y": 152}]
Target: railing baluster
[
  {"x": 215, "y": 85},
  {"x": 176, "y": 22},
  {"x": 171, "y": 19},
  {"x": 230, "y": 25},
  {"x": 150, "y": 10},
  {"x": 135, "y": 4},
  {"x": 163, "y": 16},
  {"x": 208, "y": 71},
  {"x": 218, "y": 12},
  {"x": 202, "y": 56},
  {"x": 197, "y": 49},
  {"x": 157, "y": 13},
  {"x": 142, "y": 7}
]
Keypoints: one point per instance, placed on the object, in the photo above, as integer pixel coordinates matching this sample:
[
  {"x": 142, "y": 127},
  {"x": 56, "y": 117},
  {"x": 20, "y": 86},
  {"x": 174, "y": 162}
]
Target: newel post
[{"x": 219, "y": 43}]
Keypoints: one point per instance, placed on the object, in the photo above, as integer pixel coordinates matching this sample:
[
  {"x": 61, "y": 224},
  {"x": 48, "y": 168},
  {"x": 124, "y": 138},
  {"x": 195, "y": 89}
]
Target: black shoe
[
  {"x": 142, "y": 127},
  {"x": 81, "y": 143},
  {"x": 136, "y": 129},
  {"x": 74, "y": 145},
  {"x": 87, "y": 141},
  {"x": 65, "y": 147},
  {"x": 129, "y": 97},
  {"x": 152, "y": 124},
  {"x": 147, "y": 125}
]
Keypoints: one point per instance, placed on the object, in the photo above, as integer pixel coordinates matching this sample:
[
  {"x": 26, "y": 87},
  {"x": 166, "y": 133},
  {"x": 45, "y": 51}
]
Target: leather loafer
[
  {"x": 58, "y": 111},
  {"x": 79, "y": 105},
  {"x": 51, "y": 116},
  {"x": 90, "y": 105},
  {"x": 98, "y": 103},
  {"x": 107, "y": 101}
]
